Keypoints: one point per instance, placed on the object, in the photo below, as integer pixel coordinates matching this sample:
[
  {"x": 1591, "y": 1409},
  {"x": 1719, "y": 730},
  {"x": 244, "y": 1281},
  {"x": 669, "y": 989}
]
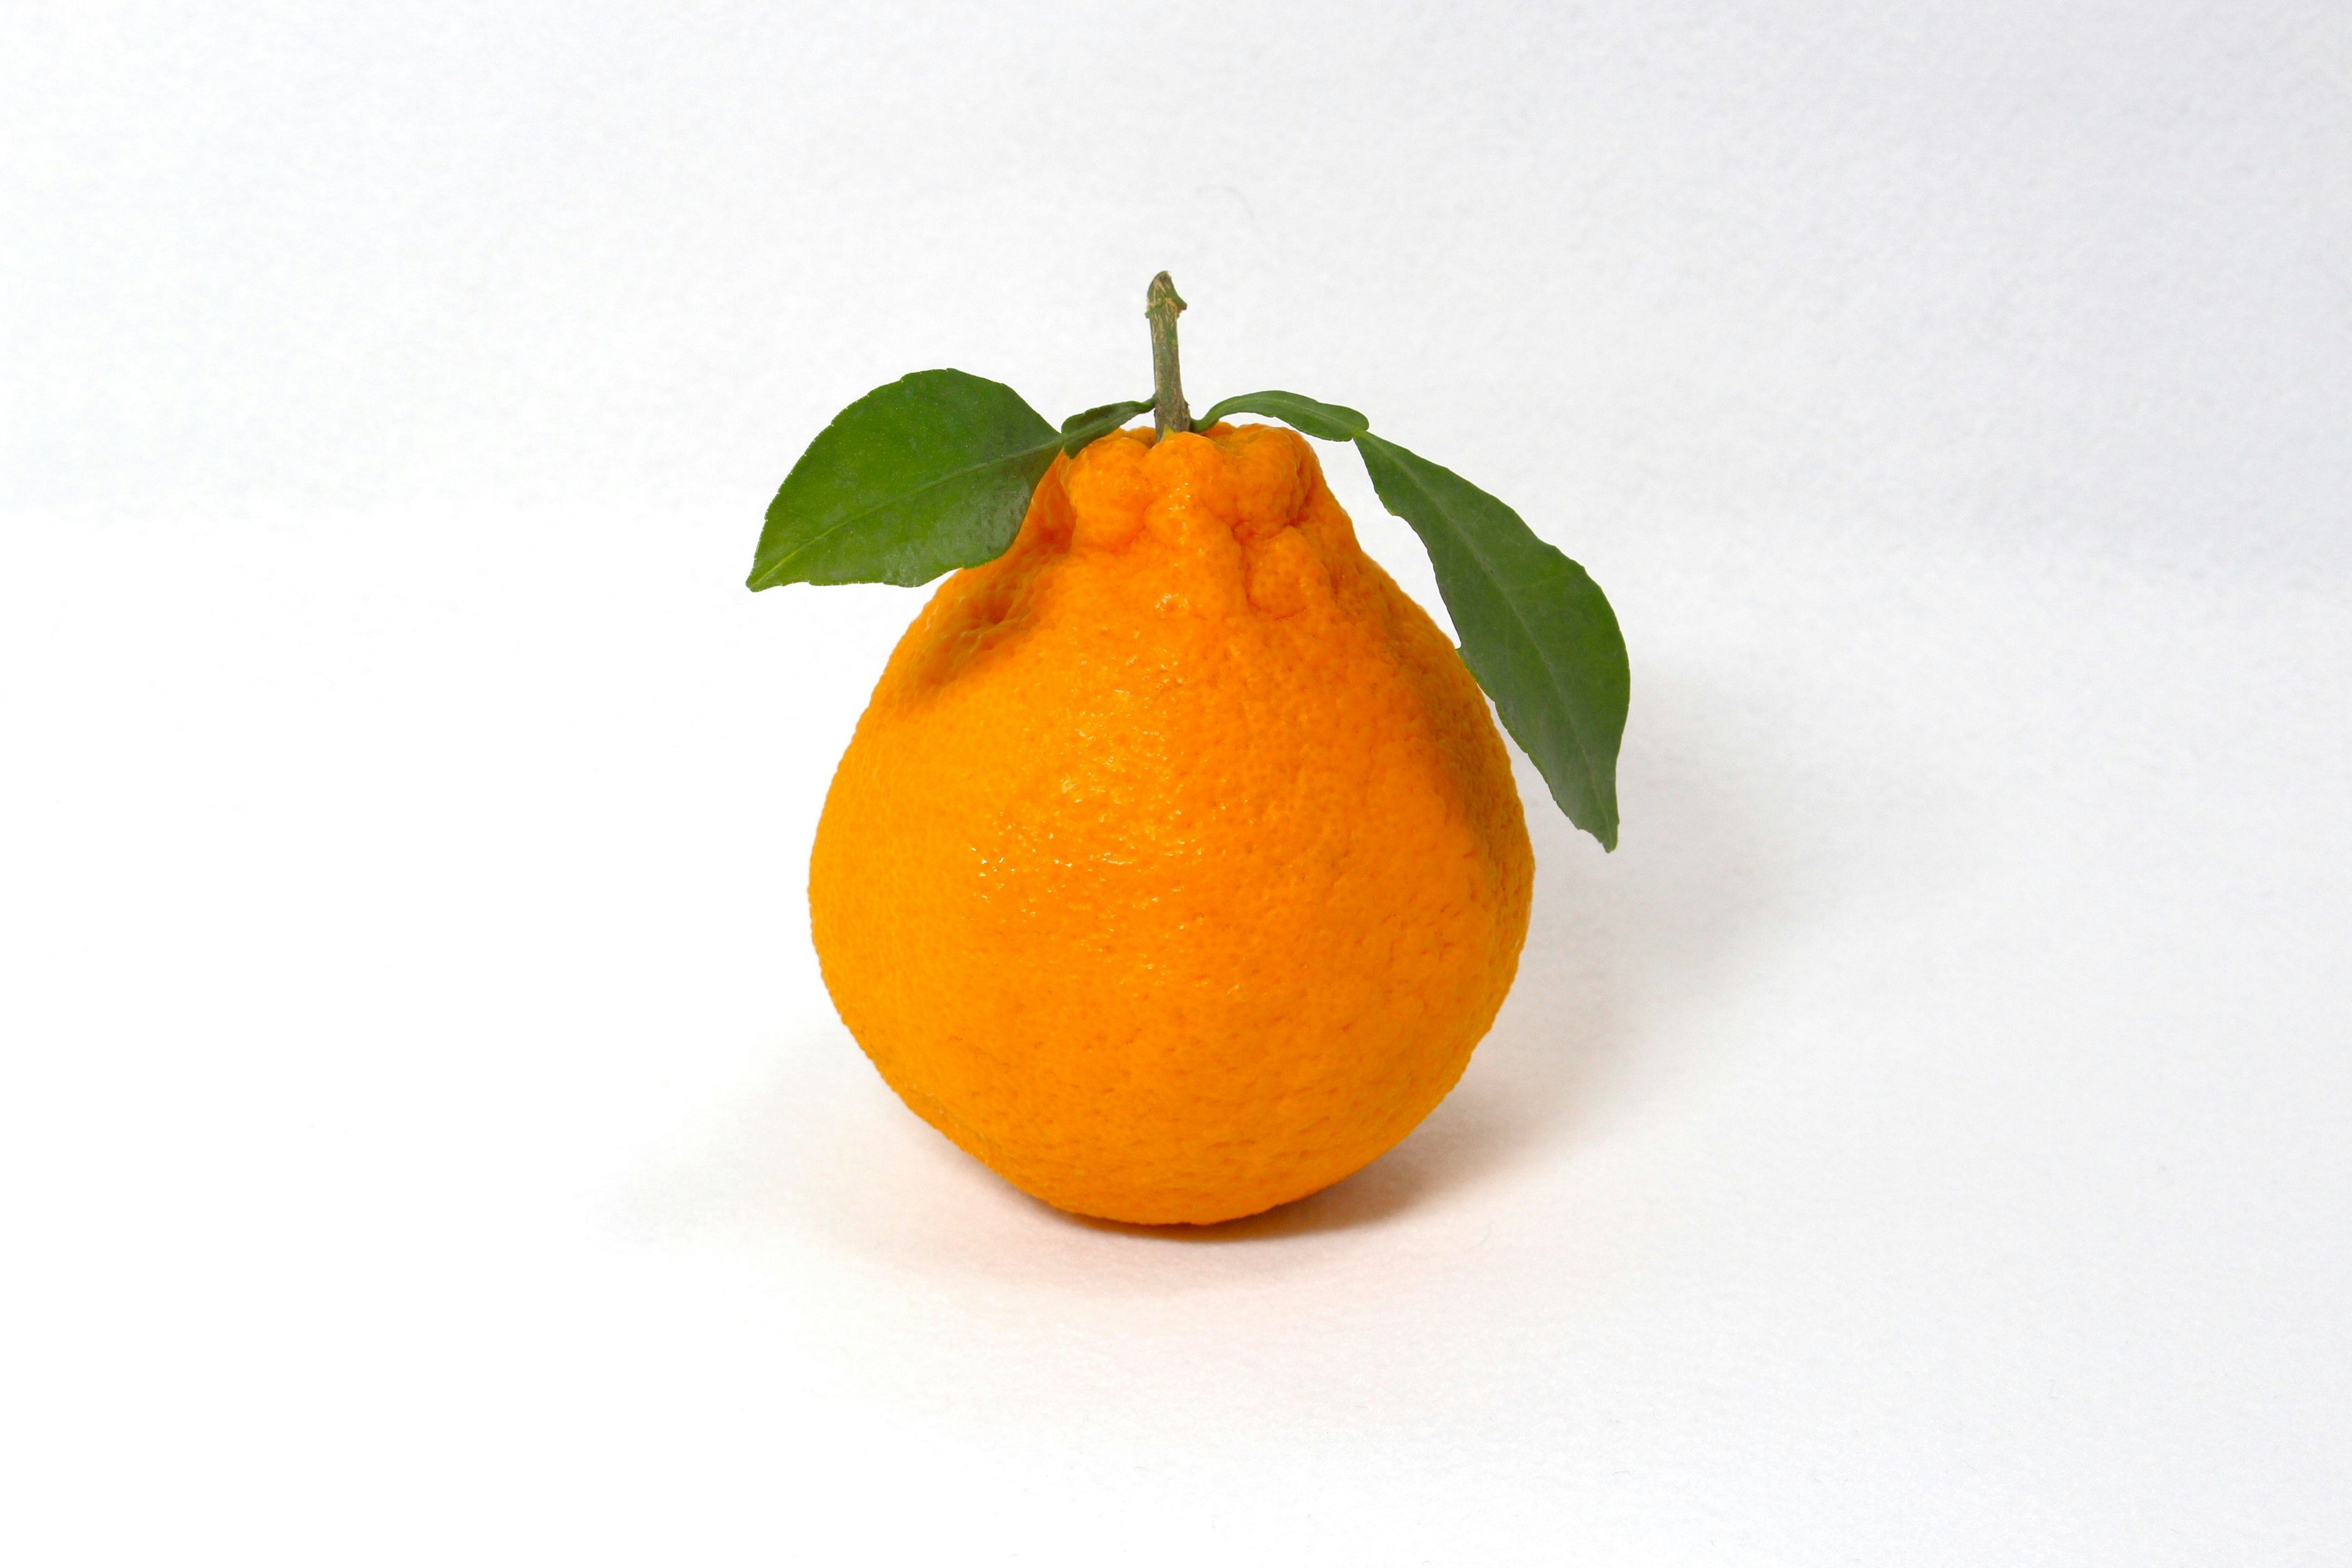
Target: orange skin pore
[{"x": 1176, "y": 867}]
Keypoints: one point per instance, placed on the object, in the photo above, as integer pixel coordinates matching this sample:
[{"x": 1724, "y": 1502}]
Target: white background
[{"x": 424, "y": 1136}]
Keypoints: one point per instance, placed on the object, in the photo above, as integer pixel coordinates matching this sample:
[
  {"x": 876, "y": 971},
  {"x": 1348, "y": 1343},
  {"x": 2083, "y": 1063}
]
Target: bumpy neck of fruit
[{"x": 1160, "y": 305}]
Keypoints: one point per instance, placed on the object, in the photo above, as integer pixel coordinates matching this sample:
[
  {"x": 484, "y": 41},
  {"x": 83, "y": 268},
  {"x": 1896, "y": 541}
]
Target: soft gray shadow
[{"x": 1618, "y": 946}]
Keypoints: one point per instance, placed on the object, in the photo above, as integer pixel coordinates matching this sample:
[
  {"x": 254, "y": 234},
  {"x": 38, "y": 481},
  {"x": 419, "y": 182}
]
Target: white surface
[{"x": 424, "y": 1137}]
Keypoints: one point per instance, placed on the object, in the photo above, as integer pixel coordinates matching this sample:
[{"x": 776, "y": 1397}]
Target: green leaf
[
  {"x": 1535, "y": 630},
  {"x": 916, "y": 478},
  {"x": 1324, "y": 421},
  {"x": 1081, "y": 429}
]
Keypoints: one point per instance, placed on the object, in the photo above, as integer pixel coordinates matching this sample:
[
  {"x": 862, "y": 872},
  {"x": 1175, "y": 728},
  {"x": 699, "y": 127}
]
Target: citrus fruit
[{"x": 1176, "y": 867}]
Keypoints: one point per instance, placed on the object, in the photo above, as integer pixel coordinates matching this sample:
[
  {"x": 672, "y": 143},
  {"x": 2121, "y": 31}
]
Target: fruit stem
[{"x": 1160, "y": 307}]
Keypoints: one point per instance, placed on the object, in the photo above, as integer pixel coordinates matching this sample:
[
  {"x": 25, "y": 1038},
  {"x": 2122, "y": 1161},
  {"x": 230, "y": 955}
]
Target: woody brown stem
[{"x": 1160, "y": 305}]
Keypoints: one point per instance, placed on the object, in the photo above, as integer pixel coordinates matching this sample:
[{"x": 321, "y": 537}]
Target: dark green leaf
[
  {"x": 1324, "y": 421},
  {"x": 929, "y": 473},
  {"x": 1079, "y": 429},
  {"x": 1535, "y": 630}
]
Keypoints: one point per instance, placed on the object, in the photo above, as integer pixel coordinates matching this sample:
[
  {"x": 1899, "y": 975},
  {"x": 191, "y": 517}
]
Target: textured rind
[{"x": 1176, "y": 867}]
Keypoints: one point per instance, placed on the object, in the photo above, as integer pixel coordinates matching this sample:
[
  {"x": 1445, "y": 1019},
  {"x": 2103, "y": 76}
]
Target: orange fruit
[{"x": 1176, "y": 867}]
